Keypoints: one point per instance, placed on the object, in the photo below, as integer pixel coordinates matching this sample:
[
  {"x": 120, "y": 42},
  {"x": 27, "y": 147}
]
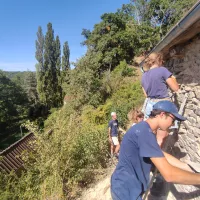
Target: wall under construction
[{"x": 184, "y": 62}]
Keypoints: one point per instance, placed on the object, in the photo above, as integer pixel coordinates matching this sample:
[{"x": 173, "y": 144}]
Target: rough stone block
[
  {"x": 198, "y": 119},
  {"x": 198, "y": 153},
  {"x": 191, "y": 106},
  {"x": 192, "y": 114},
  {"x": 186, "y": 124},
  {"x": 197, "y": 111},
  {"x": 197, "y": 125},
  {"x": 194, "y": 148},
  {"x": 193, "y": 85},
  {"x": 187, "y": 88},
  {"x": 187, "y": 79},
  {"x": 196, "y": 131},
  {"x": 192, "y": 120},
  {"x": 195, "y": 101},
  {"x": 197, "y": 92},
  {"x": 188, "y": 112},
  {"x": 191, "y": 95}
]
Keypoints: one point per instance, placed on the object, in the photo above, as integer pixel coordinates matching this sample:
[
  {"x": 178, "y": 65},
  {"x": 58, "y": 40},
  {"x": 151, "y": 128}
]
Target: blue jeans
[{"x": 148, "y": 108}]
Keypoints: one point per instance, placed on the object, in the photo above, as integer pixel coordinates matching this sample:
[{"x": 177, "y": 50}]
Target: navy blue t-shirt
[
  {"x": 131, "y": 176},
  {"x": 154, "y": 82},
  {"x": 113, "y": 124}
]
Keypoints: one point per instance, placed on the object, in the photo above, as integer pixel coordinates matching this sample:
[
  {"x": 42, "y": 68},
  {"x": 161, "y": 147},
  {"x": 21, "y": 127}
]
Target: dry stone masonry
[{"x": 186, "y": 68}]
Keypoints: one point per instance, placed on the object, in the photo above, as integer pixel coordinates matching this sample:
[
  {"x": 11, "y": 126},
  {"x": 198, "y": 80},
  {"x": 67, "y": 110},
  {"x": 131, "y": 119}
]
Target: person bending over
[{"x": 139, "y": 149}]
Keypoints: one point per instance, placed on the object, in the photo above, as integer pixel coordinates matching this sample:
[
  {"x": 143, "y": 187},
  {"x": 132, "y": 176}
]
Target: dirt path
[{"x": 101, "y": 190}]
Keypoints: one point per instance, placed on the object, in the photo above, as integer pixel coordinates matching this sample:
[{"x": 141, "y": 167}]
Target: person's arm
[
  {"x": 109, "y": 134},
  {"x": 122, "y": 130},
  {"x": 174, "y": 174},
  {"x": 177, "y": 163},
  {"x": 145, "y": 94},
  {"x": 172, "y": 83}
]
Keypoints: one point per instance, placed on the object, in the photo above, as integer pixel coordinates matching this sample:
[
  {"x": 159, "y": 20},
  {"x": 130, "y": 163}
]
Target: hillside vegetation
[{"x": 101, "y": 81}]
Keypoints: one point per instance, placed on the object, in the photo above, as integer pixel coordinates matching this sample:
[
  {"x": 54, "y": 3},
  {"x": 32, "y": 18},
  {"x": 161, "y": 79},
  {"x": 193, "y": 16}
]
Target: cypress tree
[
  {"x": 65, "y": 62},
  {"x": 50, "y": 75},
  {"x": 65, "y": 57},
  {"x": 58, "y": 69},
  {"x": 39, "y": 55}
]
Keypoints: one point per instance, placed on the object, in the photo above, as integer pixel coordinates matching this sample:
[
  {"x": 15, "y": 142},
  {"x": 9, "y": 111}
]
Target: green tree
[
  {"x": 86, "y": 33},
  {"x": 65, "y": 62},
  {"x": 65, "y": 73},
  {"x": 167, "y": 12},
  {"x": 109, "y": 40},
  {"x": 65, "y": 57},
  {"x": 50, "y": 79},
  {"x": 48, "y": 55},
  {"x": 40, "y": 71},
  {"x": 13, "y": 101},
  {"x": 30, "y": 85},
  {"x": 140, "y": 8},
  {"x": 19, "y": 79},
  {"x": 59, "y": 95},
  {"x": 85, "y": 84},
  {"x": 116, "y": 38},
  {"x": 161, "y": 14},
  {"x": 119, "y": 37}
]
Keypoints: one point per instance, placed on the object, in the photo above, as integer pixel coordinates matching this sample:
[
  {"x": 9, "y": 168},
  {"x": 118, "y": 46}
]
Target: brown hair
[
  {"x": 137, "y": 114},
  {"x": 154, "y": 113},
  {"x": 154, "y": 58}
]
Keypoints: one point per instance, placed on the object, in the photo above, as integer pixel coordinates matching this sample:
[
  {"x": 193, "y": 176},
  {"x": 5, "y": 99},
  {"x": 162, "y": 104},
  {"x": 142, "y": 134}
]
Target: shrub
[
  {"x": 127, "y": 97},
  {"x": 60, "y": 160},
  {"x": 123, "y": 69},
  {"x": 73, "y": 153}
]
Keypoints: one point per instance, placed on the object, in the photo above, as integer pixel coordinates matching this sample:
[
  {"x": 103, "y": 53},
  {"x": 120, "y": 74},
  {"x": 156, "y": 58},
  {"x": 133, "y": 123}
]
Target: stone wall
[{"x": 186, "y": 67}]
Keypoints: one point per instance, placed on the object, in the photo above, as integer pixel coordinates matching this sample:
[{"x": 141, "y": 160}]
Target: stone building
[{"x": 181, "y": 49}]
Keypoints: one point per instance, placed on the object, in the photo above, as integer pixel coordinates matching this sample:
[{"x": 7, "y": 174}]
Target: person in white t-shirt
[{"x": 113, "y": 132}]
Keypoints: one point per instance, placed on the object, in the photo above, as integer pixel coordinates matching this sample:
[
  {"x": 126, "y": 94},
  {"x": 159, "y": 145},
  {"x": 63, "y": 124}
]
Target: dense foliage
[
  {"x": 12, "y": 99},
  {"x": 160, "y": 14},
  {"x": 19, "y": 102}
]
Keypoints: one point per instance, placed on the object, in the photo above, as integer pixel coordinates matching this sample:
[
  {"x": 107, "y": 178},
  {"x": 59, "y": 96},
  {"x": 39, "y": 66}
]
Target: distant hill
[{"x": 16, "y": 74}]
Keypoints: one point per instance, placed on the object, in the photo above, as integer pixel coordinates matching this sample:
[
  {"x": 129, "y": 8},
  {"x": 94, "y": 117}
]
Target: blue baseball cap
[{"x": 168, "y": 106}]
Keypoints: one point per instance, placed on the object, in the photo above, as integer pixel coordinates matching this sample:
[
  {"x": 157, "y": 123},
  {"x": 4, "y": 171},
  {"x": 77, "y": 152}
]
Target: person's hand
[
  {"x": 110, "y": 139},
  {"x": 173, "y": 77}
]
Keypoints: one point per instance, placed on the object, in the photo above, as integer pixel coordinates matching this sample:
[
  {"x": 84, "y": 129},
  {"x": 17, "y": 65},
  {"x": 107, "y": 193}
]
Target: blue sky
[{"x": 19, "y": 21}]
